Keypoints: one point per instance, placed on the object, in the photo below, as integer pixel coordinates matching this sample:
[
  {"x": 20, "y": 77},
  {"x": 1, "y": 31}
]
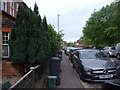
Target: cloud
[{"x": 73, "y": 14}]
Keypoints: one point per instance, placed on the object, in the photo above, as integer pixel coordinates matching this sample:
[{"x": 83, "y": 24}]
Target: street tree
[{"x": 102, "y": 27}]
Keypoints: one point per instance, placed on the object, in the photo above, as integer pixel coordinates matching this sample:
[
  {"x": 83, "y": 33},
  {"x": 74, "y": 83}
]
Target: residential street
[
  {"x": 70, "y": 79},
  {"x": 60, "y": 44}
]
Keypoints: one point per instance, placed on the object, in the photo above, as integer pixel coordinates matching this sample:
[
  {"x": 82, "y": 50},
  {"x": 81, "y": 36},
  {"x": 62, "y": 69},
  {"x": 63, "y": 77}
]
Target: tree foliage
[
  {"x": 32, "y": 40},
  {"x": 70, "y": 44},
  {"x": 53, "y": 39},
  {"x": 102, "y": 28}
]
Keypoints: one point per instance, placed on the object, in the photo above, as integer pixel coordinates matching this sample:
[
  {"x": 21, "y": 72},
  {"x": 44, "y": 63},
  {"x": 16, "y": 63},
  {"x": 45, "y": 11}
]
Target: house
[
  {"x": 63, "y": 44},
  {"x": 8, "y": 14},
  {"x": 79, "y": 43}
]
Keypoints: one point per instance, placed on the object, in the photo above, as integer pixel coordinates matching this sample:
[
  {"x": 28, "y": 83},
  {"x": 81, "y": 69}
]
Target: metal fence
[{"x": 29, "y": 80}]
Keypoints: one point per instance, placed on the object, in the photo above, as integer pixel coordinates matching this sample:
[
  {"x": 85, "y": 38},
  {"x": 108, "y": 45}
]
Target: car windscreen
[
  {"x": 68, "y": 48},
  {"x": 91, "y": 54}
]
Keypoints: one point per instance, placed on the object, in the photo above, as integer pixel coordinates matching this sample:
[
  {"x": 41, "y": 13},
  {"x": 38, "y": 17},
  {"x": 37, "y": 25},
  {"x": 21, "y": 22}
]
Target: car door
[
  {"x": 75, "y": 59},
  {"x": 78, "y": 62}
]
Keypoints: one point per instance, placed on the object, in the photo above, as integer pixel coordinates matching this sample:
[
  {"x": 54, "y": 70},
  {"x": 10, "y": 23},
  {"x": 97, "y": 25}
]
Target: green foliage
[
  {"x": 54, "y": 42},
  {"x": 32, "y": 40},
  {"x": 102, "y": 28},
  {"x": 36, "y": 8},
  {"x": 70, "y": 45}
]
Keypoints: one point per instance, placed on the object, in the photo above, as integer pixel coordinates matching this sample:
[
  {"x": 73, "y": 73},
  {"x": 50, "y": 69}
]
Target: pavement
[{"x": 68, "y": 76}]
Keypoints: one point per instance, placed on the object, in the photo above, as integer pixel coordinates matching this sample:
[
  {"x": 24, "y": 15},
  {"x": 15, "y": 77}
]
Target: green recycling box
[{"x": 51, "y": 81}]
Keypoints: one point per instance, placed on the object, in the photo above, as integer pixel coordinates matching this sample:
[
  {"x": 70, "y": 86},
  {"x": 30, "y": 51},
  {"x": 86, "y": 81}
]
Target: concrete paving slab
[{"x": 68, "y": 76}]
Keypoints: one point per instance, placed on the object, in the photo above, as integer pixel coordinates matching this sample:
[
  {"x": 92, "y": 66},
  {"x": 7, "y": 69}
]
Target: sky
[{"x": 73, "y": 14}]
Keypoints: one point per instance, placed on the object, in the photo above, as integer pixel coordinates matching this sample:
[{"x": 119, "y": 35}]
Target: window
[
  {"x": 5, "y": 47},
  {"x": 91, "y": 54},
  {"x": 12, "y": 8},
  {"x": 17, "y": 5},
  {"x": 4, "y": 5}
]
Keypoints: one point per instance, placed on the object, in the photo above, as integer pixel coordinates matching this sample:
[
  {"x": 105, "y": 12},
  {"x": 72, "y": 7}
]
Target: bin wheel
[{"x": 58, "y": 82}]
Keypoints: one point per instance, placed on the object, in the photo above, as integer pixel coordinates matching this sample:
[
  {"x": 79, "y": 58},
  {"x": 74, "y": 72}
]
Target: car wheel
[{"x": 118, "y": 56}]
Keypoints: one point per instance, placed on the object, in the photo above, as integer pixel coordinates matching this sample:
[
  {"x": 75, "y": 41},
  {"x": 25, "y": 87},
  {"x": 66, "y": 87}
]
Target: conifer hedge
[{"x": 32, "y": 40}]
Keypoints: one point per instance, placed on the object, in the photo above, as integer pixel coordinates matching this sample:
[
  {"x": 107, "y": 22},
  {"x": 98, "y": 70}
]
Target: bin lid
[
  {"x": 58, "y": 55},
  {"x": 55, "y": 58},
  {"x": 52, "y": 76}
]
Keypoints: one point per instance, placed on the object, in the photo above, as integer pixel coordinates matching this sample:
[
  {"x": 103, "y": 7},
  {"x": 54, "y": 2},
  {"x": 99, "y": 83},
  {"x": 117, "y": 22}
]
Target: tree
[
  {"x": 116, "y": 21},
  {"x": 36, "y": 8},
  {"x": 32, "y": 40},
  {"x": 46, "y": 37},
  {"x": 53, "y": 40},
  {"x": 70, "y": 44},
  {"x": 24, "y": 40},
  {"x": 19, "y": 39},
  {"x": 101, "y": 28}
]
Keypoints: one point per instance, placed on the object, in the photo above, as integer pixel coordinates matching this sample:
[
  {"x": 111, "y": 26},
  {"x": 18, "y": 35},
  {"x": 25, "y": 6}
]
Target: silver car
[{"x": 109, "y": 51}]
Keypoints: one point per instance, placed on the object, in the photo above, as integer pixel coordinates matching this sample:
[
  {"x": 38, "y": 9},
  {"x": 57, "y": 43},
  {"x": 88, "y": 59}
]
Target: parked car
[
  {"x": 67, "y": 50},
  {"x": 93, "y": 65},
  {"x": 112, "y": 84},
  {"x": 63, "y": 48},
  {"x": 71, "y": 53},
  {"x": 109, "y": 51},
  {"x": 117, "y": 51}
]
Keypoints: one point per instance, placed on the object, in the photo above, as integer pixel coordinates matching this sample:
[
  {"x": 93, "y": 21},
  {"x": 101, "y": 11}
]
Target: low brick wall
[{"x": 8, "y": 69}]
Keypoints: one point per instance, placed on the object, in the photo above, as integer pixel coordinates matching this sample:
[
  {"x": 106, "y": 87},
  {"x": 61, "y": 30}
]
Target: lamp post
[{"x": 58, "y": 23}]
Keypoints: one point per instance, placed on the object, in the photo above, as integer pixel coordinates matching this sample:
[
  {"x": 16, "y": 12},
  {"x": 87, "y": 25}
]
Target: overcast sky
[{"x": 73, "y": 14}]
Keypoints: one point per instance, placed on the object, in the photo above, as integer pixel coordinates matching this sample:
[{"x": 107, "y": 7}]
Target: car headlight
[{"x": 88, "y": 71}]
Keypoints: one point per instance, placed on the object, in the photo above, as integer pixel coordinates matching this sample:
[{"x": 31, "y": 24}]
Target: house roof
[{"x": 7, "y": 19}]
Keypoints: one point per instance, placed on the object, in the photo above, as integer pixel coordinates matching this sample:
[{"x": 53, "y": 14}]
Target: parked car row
[
  {"x": 71, "y": 53},
  {"x": 93, "y": 64},
  {"x": 67, "y": 50},
  {"x": 109, "y": 51},
  {"x": 112, "y": 51}
]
